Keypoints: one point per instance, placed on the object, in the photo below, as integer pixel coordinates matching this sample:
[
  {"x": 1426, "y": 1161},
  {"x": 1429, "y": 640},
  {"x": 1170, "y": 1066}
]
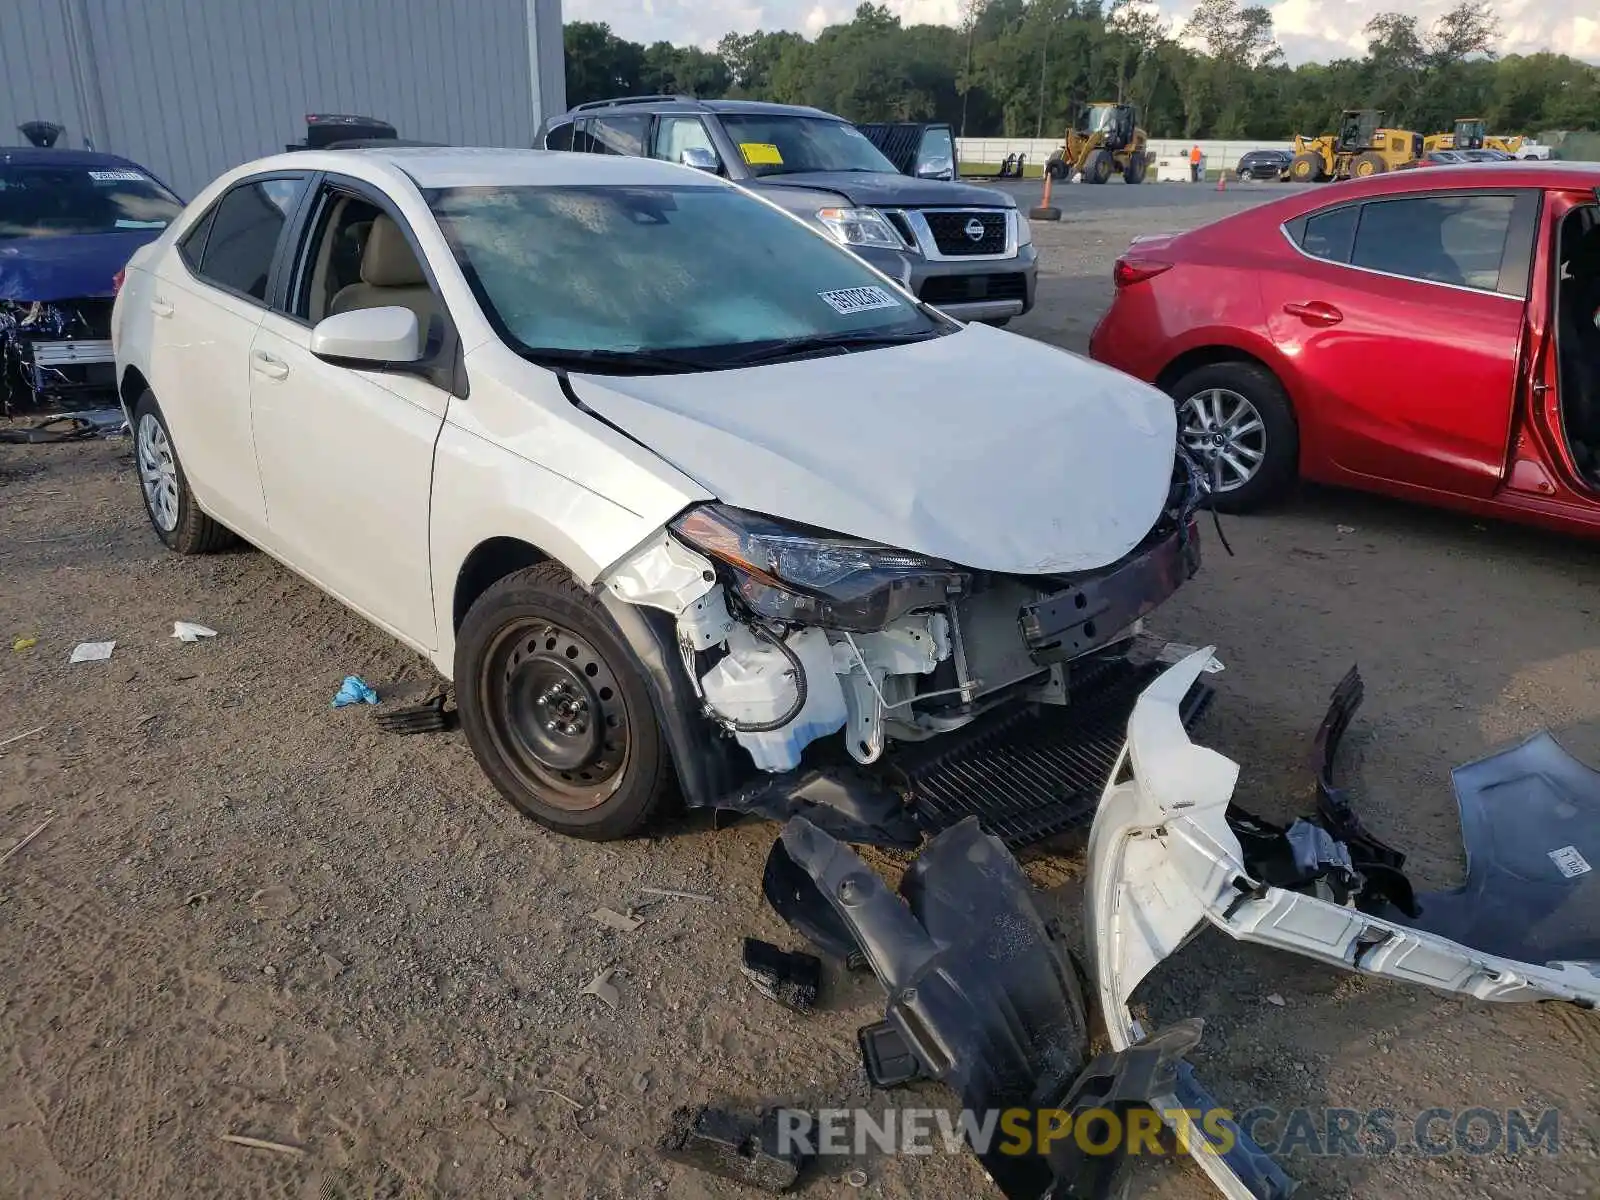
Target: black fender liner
[{"x": 704, "y": 760}]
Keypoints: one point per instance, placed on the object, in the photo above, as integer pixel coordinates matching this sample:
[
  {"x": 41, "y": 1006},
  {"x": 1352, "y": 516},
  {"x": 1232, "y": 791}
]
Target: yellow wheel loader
[
  {"x": 1472, "y": 133},
  {"x": 1361, "y": 148},
  {"x": 1105, "y": 140}
]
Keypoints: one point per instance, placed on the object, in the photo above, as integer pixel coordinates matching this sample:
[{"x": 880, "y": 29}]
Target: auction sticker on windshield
[
  {"x": 761, "y": 154},
  {"x": 116, "y": 176},
  {"x": 847, "y": 301}
]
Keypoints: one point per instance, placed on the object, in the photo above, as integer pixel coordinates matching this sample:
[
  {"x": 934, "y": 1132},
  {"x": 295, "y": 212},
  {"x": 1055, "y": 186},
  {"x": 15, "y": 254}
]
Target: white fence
[{"x": 1219, "y": 155}]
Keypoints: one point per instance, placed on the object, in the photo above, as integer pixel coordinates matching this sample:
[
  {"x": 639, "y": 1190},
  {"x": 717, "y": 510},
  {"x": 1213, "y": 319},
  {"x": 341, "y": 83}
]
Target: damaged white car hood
[{"x": 985, "y": 449}]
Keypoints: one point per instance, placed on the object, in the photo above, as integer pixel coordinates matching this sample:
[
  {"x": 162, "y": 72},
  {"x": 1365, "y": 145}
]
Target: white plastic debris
[
  {"x": 612, "y": 919},
  {"x": 601, "y": 988},
  {"x": 92, "y": 652},
  {"x": 1175, "y": 652},
  {"x": 188, "y": 631},
  {"x": 1275, "y": 1000}
]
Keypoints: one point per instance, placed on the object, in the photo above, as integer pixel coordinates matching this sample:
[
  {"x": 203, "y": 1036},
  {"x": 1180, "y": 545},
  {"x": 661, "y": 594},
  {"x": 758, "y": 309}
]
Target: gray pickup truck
[{"x": 963, "y": 249}]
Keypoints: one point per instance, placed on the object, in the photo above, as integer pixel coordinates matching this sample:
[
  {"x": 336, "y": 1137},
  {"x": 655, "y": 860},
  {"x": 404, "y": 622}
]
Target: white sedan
[{"x": 683, "y": 497}]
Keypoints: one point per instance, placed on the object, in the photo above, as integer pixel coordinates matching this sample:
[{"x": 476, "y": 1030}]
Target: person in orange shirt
[{"x": 1195, "y": 158}]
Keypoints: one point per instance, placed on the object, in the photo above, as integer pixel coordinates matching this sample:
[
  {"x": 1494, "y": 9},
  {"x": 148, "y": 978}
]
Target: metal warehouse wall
[{"x": 190, "y": 88}]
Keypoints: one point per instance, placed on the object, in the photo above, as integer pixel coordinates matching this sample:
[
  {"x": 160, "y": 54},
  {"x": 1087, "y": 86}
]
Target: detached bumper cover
[{"x": 1166, "y": 857}]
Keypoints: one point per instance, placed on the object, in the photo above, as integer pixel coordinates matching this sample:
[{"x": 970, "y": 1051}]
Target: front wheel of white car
[
  {"x": 168, "y": 502},
  {"x": 555, "y": 709}
]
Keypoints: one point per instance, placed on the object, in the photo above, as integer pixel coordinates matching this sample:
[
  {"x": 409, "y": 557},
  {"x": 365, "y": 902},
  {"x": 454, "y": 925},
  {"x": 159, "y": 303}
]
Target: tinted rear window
[
  {"x": 1458, "y": 240},
  {"x": 60, "y": 201},
  {"x": 1328, "y": 234}
]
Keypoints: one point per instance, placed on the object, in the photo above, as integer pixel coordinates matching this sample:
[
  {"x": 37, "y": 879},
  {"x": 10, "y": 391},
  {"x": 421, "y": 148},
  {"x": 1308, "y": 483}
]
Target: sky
[{"x": 1308, "y": 30}]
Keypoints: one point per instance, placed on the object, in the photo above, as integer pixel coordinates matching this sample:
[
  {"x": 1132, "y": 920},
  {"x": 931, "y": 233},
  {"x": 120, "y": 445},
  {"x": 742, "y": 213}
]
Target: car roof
[
  {"x": 468, "y": 166},
  {"x": 1449, "y": 176},
  {"x": 26, "y": 156},
  {"x": 657, "y": 104}
]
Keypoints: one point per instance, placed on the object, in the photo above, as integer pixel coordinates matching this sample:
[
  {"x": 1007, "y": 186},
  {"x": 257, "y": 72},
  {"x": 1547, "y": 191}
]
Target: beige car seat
[{"x": 390, "y": 276}]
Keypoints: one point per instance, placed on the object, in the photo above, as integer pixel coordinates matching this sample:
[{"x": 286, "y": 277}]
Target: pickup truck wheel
[
  {"x": 555, "y": 708},
  {"x": 1236, "y": 420},
  {"x": 168, "y": 502}
]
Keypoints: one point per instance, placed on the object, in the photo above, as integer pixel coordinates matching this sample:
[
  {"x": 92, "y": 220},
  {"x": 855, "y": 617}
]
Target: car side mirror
[
  {"x": 372, "y": 339},
  {"x": 700, "y": 159}
]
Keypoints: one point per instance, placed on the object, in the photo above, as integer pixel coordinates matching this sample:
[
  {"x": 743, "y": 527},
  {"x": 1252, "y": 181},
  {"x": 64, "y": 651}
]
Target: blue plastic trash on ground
[{"x": 354, "y": 690}]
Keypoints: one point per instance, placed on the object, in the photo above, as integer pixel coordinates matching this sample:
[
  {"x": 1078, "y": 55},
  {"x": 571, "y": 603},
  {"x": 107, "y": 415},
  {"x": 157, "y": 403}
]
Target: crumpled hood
[
  {"x": 66, "y": 268},
  {"x": 982, "y": 448},
  {"x": 888, "y": 189}
]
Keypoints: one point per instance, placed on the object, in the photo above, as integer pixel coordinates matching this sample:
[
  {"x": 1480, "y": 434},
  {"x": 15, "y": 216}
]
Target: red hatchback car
[{"x": 1430, "y": 334}]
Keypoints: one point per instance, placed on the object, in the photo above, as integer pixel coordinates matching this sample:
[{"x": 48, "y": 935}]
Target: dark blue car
[{"x": 69, "y": 221}]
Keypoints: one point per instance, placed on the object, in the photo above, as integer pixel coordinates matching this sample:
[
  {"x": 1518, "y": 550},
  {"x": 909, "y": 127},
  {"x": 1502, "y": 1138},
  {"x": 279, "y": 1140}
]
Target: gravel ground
[{"x": 252, "y": 915}]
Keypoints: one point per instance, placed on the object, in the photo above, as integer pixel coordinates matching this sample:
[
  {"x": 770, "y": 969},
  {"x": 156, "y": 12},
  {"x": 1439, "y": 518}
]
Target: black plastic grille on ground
[{"x": 1029, "y": 776}]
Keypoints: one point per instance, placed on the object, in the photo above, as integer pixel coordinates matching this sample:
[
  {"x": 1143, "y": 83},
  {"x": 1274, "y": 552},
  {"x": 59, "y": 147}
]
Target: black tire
[
  {"x": 1057, "y": 168},
  {"x": 1280, "y": 465},
  {"x": 1307, "y": 168},
  {"x": 183, "y": 527},
  {"x": 536, "y": 649},
  {"x": 1097, "y": 167},
  {"x": 1138, "y": 164},
  {"x": 998, "y": 322},
  {"x": 1365, "y": 166}
]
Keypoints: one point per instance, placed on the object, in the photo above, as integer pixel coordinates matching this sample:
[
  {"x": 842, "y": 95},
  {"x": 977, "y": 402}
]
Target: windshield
[
  {"x": 705, "y": 274},
  {"x": 59, "y": 201},
  {"x": 785, "y": 145}
]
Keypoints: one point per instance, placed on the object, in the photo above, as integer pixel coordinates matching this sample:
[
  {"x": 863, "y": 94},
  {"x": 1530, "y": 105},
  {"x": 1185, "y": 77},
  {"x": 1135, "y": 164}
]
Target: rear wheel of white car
[
  {"x": 555, "y": 708},
  {"x": 168, "y": 502},
  {"x": 1235, "y": 419}
]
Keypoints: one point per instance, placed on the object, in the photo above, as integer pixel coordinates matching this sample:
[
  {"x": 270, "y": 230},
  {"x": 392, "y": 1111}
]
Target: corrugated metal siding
[
  {"x": 36, "y": 71},
  {"x": 193, "y": 87}
]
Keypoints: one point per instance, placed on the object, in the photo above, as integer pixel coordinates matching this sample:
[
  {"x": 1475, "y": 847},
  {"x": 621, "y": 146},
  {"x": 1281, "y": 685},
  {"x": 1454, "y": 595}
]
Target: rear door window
[
  {"x": 244, "y": 235},
  {"x": 613, "y": 135},
  {"x": 1464, "y": 241}
]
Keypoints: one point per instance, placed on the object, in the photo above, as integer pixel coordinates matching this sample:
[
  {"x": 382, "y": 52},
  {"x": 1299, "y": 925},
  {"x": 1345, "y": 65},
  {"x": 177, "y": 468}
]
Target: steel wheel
[
  {"x": 158, "y": 473},
  {"x": 557, "y": 715},
  {"x": 1225, "y": 432}
]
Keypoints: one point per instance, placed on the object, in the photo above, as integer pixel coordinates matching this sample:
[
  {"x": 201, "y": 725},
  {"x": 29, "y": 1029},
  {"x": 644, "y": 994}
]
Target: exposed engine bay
[
  {"x": 821, "y": 655},
  {"x": 53, "y": 348}
]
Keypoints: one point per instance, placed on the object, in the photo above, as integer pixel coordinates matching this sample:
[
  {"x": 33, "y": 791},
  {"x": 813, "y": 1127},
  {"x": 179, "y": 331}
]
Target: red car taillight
[
  {"x": 118, "y": 280},
  {"x": 1131, "y": 269}
]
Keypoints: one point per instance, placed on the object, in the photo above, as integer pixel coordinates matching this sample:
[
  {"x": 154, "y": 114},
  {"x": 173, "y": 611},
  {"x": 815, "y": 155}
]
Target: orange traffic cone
[
  {"x": 1045, "y": 211},
  {"x": 1222, "y": 181}
]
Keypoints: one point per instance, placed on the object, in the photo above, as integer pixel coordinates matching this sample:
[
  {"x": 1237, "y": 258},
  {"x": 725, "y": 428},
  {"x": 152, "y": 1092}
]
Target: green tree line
[{"x": 1020, "y": 68}]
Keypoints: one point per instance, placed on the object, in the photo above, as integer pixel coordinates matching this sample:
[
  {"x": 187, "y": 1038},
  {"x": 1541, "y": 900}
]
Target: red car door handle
[{"x": 1315, "y": 312}]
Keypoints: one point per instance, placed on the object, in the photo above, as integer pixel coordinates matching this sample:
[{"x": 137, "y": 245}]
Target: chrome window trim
[{"x": 1328, "y": 262}]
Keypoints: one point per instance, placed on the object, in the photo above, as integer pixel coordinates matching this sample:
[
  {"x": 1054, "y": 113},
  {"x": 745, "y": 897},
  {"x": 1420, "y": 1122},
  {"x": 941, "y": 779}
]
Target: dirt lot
[{"x": 253, "y": 915}]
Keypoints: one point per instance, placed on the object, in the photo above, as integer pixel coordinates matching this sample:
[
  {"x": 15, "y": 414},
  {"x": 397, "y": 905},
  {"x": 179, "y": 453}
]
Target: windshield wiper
[
  {"x": 814, "y": 343},
  {"x": 614, "y": 362}
]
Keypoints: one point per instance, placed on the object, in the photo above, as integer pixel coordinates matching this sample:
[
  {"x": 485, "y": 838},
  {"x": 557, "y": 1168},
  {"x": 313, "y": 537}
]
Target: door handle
[
  {"x": 270, "y": 365},
  {"x": 1314, "y": 312},
  {"x": 160, "y": 307}
]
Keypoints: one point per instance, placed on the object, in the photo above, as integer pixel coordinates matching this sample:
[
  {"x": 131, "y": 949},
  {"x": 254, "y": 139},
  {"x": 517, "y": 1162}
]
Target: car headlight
[
  {"x": 860, "y": 227},
  {"x": 793, "y": 573},
  {"x": 1024, "y": 227}
]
